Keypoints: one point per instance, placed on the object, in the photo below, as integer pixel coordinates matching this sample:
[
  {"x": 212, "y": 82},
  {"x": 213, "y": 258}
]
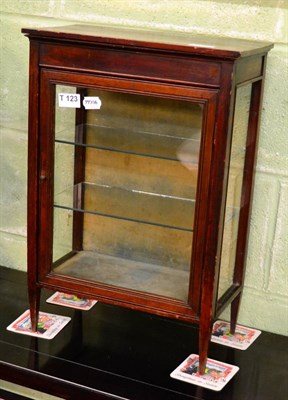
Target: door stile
[
  {"x": 206, "y": 153},
  {"x": 46, "y": 177}
]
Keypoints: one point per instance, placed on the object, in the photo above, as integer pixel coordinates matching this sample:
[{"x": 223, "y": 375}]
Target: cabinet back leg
[{"x": 235, "y": 305}]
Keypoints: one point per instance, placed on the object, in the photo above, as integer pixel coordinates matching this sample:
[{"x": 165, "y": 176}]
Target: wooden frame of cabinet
[{"x": 161, "y": 65}]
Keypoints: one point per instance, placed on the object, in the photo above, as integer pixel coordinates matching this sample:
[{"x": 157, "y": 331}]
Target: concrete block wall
[{"x": 264, "y": 304}]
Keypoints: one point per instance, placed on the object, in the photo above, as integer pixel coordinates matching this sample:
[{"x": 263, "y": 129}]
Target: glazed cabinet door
[{"x": 124, "y": 176}]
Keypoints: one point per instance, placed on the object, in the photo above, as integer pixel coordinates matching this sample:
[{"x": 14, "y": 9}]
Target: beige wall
[{"x": 264, "y": 303}]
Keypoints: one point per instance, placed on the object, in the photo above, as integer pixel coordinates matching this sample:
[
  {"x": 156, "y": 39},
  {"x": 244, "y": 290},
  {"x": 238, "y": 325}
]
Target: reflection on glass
[
  {"x": 127, "y": 173},
  {"x": 235, "y": 177}
]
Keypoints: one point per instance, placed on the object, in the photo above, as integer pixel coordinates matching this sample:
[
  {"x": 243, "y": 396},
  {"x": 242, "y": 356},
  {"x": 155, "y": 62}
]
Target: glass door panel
[{"x": 125, "y": 180}]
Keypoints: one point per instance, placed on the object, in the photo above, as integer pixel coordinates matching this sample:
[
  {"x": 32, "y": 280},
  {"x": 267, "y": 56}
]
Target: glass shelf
[
  {"x": 127, "y": 204},
  {"x": 165, "y": 146}
]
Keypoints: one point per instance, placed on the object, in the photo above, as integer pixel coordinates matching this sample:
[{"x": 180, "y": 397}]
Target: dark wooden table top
[{"x": 114, "y": 353}]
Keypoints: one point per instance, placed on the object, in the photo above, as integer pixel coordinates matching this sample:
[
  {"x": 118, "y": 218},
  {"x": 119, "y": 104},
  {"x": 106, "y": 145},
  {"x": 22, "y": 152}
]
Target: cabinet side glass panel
[
  {"x": 235, "y": 178},
  {"x": 125, "y": 175}
]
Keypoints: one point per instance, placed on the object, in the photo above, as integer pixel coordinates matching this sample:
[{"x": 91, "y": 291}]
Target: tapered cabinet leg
[
  {"x": 34, "y": 305},
  {"x": 204, "y": 340},
  {"x": 235, "y": 305}
]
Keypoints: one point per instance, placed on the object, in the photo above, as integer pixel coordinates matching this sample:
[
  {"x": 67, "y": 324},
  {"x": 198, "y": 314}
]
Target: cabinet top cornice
[{"x": 152, "y": 39}]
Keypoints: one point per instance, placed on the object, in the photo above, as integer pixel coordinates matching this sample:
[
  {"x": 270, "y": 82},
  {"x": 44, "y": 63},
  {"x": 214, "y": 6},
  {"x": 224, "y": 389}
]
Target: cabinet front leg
[
  {"x": 204, "y": 340},
  {"x": 34, "y": 305}
]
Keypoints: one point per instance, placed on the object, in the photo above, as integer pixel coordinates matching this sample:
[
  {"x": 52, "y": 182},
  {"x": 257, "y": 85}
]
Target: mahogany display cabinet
[{"x": 142, "y": 150}]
